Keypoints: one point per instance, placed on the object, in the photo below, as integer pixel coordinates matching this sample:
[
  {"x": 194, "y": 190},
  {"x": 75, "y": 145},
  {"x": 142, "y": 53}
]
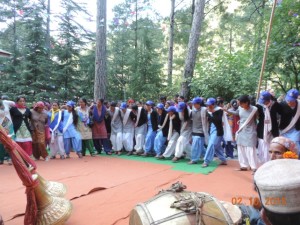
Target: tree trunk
[
  {"x": 193, "y": 8},
  {"x": 15, "y": 36},
  {"x": 171, "y": 43},
  {"x": 48, "y": 45},
  {"x": 190, "y": 60},
  {"x": 100, "y": 62}
]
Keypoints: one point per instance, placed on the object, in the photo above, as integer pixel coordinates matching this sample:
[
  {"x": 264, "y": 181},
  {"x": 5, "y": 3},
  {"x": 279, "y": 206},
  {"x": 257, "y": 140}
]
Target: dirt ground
[{"x": 122, "y": 184}]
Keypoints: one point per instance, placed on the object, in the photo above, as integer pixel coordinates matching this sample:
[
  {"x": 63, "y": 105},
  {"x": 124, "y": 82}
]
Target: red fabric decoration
[{"x": 22, "y": 162}]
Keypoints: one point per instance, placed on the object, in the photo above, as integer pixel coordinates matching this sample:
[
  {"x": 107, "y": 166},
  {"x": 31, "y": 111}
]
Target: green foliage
[
  {"x": 134, "y": 71},
  {"x": 228, "y": 75},
  {"x": 67, "y": 52},
  {"x": 284, "y": 54},
  {"x": 228, "y": 62}
]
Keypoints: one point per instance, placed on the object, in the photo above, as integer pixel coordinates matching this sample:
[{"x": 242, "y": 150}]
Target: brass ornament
[{"x": 51, "y": 210}]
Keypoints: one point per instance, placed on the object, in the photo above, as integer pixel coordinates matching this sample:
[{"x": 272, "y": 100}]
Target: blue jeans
[
  {"x": 98, "y": 143},
  {"x": 229, "y": 149},
  {"x": 197, "y": 148},
  {"x": 149, "y": 140},
  {"x": 73, "y": 143},
  {"x": 159, "y": 143},
  {"x": 214, "y": 146}
]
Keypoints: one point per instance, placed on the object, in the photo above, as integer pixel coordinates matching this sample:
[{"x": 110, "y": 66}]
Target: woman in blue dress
[{"x": 72, "y": 138}]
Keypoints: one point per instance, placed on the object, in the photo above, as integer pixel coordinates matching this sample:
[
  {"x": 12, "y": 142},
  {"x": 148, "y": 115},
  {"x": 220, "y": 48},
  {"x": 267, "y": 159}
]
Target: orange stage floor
[{"x": 122, "y": 184}]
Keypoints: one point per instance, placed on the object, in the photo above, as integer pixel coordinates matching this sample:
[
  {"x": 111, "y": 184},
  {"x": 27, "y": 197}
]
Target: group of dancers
[{"x": 200, "y": 128}]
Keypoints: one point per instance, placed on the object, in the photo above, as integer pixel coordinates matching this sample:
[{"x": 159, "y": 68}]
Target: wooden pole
[{"x": 266, "y": 49}]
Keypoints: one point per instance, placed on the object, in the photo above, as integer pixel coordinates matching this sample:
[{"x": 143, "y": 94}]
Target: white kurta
[
  {"x": 116, "y": 129},
  {"x": 128, "y": 130},
  {"x": 183, "y": 142}
]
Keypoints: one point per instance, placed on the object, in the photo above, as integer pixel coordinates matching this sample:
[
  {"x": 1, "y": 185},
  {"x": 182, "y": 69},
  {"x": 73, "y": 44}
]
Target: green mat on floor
[{"x": 181, "y": 165}]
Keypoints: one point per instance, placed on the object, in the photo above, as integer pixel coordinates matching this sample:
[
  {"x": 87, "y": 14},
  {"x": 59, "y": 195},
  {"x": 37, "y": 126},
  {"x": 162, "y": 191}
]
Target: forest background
[{"x": 60, "y": 65}]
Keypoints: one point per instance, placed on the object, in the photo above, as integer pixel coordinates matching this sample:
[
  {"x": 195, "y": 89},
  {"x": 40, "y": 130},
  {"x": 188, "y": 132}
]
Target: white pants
[
  {"x": 247, "y": 157},
  {"x": 128, "y": 141},
  {"x": 263, "y": 151},
  {"x": 139, "y": 142},
  {"x": 182, "y": 145},
  {"x": 116, "y": 140},
  {"x": 171, "y": 145},
  {"x": 57, "y": 146}
]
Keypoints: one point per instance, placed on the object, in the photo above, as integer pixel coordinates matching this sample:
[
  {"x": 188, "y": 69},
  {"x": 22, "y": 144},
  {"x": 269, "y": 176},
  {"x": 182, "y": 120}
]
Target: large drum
[{"x": 184, "y": 208}]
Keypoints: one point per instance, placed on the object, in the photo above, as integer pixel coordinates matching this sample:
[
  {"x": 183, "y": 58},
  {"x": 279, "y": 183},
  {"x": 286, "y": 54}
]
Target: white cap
[{"x": 278, "y": 184}]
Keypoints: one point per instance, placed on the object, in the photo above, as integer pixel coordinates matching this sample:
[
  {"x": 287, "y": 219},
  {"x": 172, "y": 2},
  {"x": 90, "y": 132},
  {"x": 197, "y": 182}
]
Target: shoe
[
  {"x": 68, "y": 156},
  {"x": 175, "y": 159},
  {"x": 92, "y": 155},
  {"x": 9, "y": 162},
  {"x": 253, "y": 171},
  {"x": 192, "y": 162},
  {"x": 62, "y": 157},
  {"x": 157, "y": 156},
  {"x": 129, "y": 153},
  {"x": 119, "y": 153},
  {"x": 47, "y": 159},
  {"x": 145, "y": 154},
  {"x": 161, "y": 157},
  {"x": 204, "y": 165},
  {"x": 52, "y": 157},
  {"x": 108, "y": 153},
  {"x": 79, "y": 155},
  {"x": 223, "y": 163},
  {"x": 242, "y": 169},
  {"x": 1, "y": 162}
]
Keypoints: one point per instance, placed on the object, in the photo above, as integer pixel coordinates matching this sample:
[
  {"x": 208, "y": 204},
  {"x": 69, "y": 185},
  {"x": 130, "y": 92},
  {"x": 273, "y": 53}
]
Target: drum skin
[{"x": 157, "y": 210}]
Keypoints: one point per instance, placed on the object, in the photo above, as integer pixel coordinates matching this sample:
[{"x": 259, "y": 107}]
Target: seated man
[
  {"x": 278, "y": 185},
  {"x": 282, "y": 148}
]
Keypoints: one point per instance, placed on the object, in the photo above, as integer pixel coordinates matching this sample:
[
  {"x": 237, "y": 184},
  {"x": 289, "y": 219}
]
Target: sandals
[{"x": 175, "y": 159}]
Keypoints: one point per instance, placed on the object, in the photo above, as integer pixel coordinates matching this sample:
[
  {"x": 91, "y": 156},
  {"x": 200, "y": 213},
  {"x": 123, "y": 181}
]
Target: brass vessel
[
  {"x": 53, "y": 188},
  {"x": 51, "y": 210}
]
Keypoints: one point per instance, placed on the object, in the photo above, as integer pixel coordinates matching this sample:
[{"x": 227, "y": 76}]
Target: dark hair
[
  {"x": 244, "y": 99},
  {"x": 286, "y": 218},
  {"x": 163, "y": 98},
  {"x": 57, "y": 102},
  {"x": 234, "y": 103},
  {"x": 101, "y": 100},
  {"x": 75, "y": 117},
  {"x": 84, "y": 100},
  {"x": 113, "y": 104},
  {"x": 186, "y": 115},
  {"x": 181, "y": 96},
  {"x": 252, "y": 100},
  {"x": 19, "y": 97},
  {"x": 134, "y": 107},
  {"x": 220, "y": 102}
]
